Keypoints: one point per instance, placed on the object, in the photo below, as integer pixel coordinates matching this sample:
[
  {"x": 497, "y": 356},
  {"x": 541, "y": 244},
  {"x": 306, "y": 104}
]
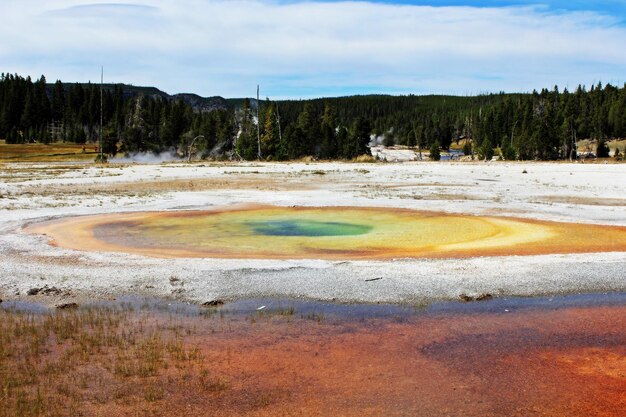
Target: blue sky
[
  {"x": 298, "y": 49},
  {"x": 612, "y": 7}
]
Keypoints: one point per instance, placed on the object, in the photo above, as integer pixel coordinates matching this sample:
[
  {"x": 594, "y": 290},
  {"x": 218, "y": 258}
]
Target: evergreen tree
[
  {"x": 435, "y": 154},
  {"x": 42, "y": 102},
  {"x": 29, "y": 116},
  {"x": 507, "y": 150},
  {"x": 467, "y": 148},
  {"x": 602, "y": 150},
  {"x": 359, "y": 139},
  {"x": 283, "y": 150},
  {"x": 412, "y": 135},
  {"x": 109, "y": 141},
  {"x": 176, "y": 123},
  {"x": 485, "y": 151},
  {"x": 270, "y": 137},
  {"x": 329, "y": 146},
  {"x": 307, "y": 133}
]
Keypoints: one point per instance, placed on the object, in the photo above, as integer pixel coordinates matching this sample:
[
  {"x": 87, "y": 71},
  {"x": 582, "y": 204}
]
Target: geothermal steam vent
[{"x": 270, "y": 232}]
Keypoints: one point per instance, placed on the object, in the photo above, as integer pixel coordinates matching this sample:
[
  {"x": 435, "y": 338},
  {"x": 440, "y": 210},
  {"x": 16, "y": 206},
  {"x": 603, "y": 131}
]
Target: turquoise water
[{"x": 309, "y": 228}]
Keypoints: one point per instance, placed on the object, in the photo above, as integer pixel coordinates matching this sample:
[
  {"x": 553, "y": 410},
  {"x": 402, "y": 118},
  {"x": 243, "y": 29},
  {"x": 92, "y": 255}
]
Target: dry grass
[
  {"x": 445, "y": 197},
  {"x": 618, "y": 144},
  {"x": 28, "y": 172},
  {"x": 143, "y": 188},
  {"x": 365, "y": 159},
  {"x": 36, "y": 152},
  {"x": 584, "y": 201},
  {"x": 587, "y": 145},
  {"x": 71, "y": 362}
]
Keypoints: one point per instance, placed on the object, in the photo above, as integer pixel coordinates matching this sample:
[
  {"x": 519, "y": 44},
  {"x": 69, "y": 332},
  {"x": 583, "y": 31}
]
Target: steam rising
[{"x": 148, "y": 158}]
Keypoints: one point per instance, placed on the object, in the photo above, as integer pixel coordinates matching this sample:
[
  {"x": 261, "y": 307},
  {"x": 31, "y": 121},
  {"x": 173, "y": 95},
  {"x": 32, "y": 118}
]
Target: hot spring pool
[{"x": 269, "y": 232}]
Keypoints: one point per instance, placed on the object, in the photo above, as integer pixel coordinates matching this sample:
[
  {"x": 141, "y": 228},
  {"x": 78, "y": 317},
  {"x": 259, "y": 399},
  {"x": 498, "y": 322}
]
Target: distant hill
[
  {"x": 202, "y": 104},
  {"x": 198, "y": 103}
]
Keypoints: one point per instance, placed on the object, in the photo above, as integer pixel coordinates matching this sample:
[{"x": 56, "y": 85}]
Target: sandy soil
[{"x": 575, "y": 193}]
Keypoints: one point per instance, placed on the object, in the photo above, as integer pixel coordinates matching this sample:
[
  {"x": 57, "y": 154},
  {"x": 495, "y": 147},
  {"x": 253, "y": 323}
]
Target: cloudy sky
[{"x": 298, "y": 49}]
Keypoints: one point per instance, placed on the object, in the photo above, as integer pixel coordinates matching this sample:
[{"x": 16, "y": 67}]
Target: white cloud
[{"x": 310, "y": 49}]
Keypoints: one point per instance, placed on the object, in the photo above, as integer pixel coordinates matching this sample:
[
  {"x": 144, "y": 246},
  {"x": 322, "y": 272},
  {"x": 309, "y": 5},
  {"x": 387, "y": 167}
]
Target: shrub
[{"x": 435, "y": 154}]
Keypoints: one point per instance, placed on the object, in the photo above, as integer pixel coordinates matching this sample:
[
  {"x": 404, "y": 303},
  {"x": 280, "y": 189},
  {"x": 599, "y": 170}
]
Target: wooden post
[
  {"x": 258, "y": 123},
  {"x": 101, "y": 117}
]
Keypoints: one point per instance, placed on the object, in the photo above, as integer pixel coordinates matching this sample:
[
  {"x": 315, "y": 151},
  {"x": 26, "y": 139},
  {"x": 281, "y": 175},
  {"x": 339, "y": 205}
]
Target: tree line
[
  {"x": 35, "y": 111},
  {"x": 541, "y": 125}
]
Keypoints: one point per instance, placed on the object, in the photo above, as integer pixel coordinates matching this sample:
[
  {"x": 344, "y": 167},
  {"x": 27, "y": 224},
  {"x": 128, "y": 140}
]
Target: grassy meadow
[{"x": 38, "y": 152}]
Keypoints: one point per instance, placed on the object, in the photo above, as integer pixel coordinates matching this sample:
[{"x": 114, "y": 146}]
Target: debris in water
[
  {"x": 481, "y": 297},
  {"x": 213, "y": 303},
  {"x": 67, "y": 306},
  {"x": 45, "y": 290},
  {"x": 33, "y": 291}
]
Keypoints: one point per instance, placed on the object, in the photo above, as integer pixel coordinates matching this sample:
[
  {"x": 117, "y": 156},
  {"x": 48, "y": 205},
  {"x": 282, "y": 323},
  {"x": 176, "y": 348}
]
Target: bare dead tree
[
  {"x": 280, "y": 135},
  {"x": 190, "y": 148}
]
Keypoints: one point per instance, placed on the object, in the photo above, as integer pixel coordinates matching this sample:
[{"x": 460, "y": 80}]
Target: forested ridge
[{"x": 541, "y": 125}]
